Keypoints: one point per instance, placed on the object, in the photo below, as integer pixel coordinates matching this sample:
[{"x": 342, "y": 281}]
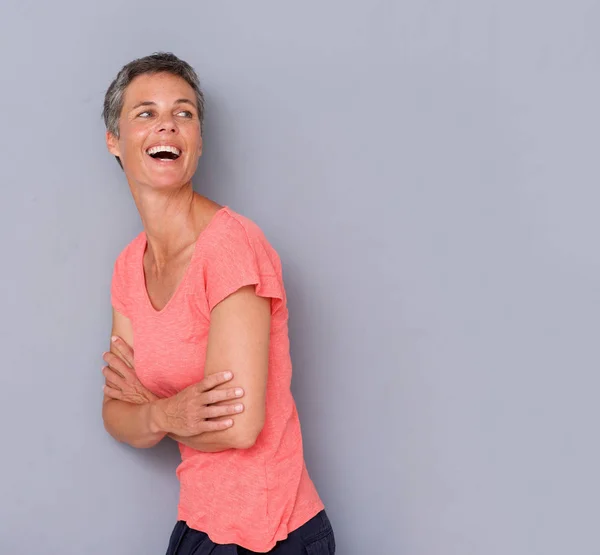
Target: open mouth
[{"x": 164, "y": 152}]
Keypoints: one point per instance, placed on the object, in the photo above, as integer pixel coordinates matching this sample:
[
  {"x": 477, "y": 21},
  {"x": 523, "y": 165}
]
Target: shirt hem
[{"x": 226, "y": 538}]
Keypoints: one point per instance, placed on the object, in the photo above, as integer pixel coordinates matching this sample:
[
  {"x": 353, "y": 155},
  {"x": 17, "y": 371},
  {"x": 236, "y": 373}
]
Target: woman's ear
[{"x": 112, "y": 143}]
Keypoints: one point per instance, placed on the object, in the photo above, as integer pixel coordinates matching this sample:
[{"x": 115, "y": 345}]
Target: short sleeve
[
  {"x": 240, "y": 257},
  {"x": 118, "y": 295}
]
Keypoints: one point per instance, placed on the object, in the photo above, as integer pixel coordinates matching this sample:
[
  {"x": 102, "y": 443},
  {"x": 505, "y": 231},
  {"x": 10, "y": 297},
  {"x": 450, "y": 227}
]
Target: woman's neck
[{"x": 171, "y": 220}]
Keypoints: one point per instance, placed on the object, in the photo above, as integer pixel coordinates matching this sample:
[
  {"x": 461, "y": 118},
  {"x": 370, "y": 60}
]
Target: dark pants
[{"x": 313, "y": 538}]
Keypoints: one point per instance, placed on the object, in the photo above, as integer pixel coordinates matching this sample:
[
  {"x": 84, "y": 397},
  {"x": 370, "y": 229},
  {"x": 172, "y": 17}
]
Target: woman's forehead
[{"x": 158, "y": 88}]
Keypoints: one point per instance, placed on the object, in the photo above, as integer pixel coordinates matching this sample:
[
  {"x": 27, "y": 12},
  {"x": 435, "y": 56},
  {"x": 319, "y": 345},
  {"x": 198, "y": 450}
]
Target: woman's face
[{"x": 159, "y": 142}]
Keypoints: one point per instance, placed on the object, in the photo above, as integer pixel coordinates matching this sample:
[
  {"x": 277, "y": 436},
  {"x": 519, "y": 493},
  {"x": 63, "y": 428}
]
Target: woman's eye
[
  {"x": 186, "y": 114},
  {"x": 145, "y": 114}
]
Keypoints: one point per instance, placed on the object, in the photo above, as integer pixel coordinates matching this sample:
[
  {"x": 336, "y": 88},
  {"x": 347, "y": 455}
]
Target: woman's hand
[
  {"x": 189, "y": 413},
  {"x": 193, "y": 411},
  {"x": 122, "y": 382}
]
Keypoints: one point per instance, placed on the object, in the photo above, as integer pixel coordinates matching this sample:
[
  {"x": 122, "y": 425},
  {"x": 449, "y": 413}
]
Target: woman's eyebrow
[
  {"x": 185, "y": 101},
  {"x": 143, "y": 103},
  {"x": 150, "y": 103}
]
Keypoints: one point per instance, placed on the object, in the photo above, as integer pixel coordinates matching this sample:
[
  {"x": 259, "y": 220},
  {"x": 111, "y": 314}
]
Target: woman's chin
[
  {"x": 159, "y": 181},
  {"x": 167, "y": 178},
  {"x": 166, "y": 182},
  {"x": 166, "y": 173}
]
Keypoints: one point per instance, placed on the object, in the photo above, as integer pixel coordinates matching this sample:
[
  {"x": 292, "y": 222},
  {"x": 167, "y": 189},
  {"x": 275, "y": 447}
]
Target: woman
[{"x": 201, "y": 291}]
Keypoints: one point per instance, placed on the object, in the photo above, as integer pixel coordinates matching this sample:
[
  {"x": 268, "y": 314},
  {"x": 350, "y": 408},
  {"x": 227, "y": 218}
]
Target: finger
[
  {"x": 223, "y": 410},
  {"x": 117, "y": 365},
  {"x": 214, "y": 425},
  {"x": 113, "y": 385},
  {"x": 113, "y": 378},
  {"x": 112, "y": 392},
  {"x": 212, "y": 381},
  {"x": 217, "y": 395},
  {"x": 124, "y": 348}
]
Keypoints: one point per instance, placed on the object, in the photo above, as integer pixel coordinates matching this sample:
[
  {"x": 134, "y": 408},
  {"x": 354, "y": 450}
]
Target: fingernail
[
  {"x": 239, "y": 392},
  {"x": 239, "y": 408},
  {"x": 228, "y": 375},
  {"x": 228, "y": 422},
  {"x": 114, "y": 338}
]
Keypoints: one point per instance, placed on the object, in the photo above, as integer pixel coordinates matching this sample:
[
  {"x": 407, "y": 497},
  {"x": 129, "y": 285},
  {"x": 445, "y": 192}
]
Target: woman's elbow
[{"x": 248, "y": 435}]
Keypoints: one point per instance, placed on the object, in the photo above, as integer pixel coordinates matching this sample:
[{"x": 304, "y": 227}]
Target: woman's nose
[{"x": 167, "y": 125}]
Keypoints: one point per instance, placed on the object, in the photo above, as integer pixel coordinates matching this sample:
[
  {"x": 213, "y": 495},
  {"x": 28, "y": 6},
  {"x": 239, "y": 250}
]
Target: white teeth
[{"x": 163, "y": 148}]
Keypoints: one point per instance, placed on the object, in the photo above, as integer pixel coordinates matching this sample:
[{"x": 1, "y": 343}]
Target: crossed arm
[{"x": 202, "y": 416}]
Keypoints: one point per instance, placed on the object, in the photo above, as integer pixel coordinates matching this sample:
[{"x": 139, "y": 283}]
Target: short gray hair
[{"x": 159, "y": 62}]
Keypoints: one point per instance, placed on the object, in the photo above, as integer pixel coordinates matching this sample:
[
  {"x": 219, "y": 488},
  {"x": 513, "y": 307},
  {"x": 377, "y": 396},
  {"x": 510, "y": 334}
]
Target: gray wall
[{"x": 428, "y": 172}]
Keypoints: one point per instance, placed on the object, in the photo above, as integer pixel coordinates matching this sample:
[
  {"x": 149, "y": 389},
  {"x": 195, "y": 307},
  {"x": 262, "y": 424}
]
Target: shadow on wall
[{"x": 162, "y": 459}]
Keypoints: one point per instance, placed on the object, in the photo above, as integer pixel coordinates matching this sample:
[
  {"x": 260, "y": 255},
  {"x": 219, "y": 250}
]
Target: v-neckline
[{"x": 186, "y": 272}]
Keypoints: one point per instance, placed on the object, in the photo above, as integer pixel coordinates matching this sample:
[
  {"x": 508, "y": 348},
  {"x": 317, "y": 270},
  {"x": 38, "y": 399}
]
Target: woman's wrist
[{"x": 156, "y": 417}]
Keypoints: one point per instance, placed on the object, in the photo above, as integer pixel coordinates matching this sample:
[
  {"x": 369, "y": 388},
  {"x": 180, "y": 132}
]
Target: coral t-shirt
[{"x": 250, "y": 497}]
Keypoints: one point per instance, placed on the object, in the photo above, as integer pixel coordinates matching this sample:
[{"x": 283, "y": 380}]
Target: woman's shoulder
[
  {"x": 234, "y": 239},
  {"x": 128, "y": 254},
  {"x": 230, "y": 226},
  {"x": 234, "y": 253}
]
